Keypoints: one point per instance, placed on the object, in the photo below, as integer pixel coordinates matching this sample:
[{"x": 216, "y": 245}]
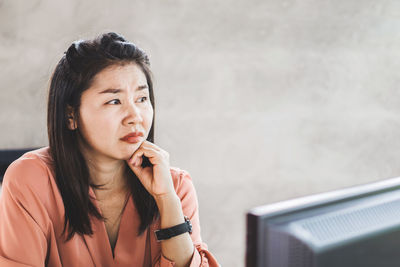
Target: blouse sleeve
[
  {"x": 22, "y": 237},
  {"x": 185, "y": 190}
]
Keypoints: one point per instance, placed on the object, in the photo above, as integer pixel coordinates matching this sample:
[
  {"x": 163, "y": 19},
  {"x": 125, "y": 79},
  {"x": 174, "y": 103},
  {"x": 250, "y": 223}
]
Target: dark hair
[{"x": 73, "y": 75}]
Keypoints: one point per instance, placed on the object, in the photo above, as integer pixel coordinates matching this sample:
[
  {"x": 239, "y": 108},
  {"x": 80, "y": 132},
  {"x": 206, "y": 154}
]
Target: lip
[{"x": 132, "y": 138}]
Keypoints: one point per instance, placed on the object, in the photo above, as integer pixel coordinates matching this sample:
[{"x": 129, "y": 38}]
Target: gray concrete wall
[{"x": 259, "y": 100}]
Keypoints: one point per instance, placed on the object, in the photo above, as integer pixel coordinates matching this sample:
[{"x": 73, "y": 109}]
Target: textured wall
[{"x": 259, "y": 100}]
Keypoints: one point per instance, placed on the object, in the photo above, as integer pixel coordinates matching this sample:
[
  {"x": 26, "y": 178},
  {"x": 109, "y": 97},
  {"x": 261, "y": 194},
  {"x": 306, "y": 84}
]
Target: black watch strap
[{"x": 179, "y": 229}]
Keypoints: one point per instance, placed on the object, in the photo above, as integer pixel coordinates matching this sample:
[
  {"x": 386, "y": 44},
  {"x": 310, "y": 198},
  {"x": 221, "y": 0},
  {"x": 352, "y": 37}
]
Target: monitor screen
[{"x": 352, "y": 227}]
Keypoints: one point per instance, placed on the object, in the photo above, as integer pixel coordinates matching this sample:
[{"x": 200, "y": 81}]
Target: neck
[
  {"x": 109, "y": 176},
  {"x": 107, "y": 173}
]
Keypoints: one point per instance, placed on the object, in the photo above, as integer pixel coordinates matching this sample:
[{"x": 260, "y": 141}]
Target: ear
[{"x": 72, "y": 125}]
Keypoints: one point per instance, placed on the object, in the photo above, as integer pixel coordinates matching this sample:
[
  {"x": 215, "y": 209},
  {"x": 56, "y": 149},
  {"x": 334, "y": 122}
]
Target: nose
[{"x": 133, "y": 114}]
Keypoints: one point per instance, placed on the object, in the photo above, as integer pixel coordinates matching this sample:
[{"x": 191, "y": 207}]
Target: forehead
[{"x": 119, "y": 76}]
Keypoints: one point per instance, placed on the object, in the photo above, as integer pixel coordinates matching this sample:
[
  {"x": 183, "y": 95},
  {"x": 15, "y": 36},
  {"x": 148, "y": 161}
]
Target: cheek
[
  {"x": 95, "y": 126},
  {"x": 149, "y": 117}
]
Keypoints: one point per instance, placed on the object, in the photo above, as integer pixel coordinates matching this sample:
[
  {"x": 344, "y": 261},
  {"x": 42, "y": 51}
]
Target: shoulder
[
  {"x": 184, "y": 187},
  {"x": 180, "y": 177},
  {"x": 30, "y": 172},
  {"x": 186, "y": 192},
  {"x": 27, "y": 190}
]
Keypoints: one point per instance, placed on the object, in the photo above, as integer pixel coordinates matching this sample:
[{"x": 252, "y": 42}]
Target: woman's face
[{"x": 115, "y": 113}]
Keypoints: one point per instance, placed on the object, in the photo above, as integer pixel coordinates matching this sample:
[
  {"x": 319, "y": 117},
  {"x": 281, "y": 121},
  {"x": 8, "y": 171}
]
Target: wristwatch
[{"x": 167, "y": 233}]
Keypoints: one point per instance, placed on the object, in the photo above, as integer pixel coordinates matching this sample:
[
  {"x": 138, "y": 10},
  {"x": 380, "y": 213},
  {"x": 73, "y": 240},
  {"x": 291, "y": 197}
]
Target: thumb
[{"x": 136, "y": 165}]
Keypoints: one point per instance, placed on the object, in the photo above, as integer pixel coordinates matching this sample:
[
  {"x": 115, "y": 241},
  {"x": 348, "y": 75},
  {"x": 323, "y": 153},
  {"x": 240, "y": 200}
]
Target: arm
[
  {"x": 178, "y": 249},
  {"x": 173, "y": 204},
  {"x": 22, "y": 239},
  {"x": 189, "y": 203}
]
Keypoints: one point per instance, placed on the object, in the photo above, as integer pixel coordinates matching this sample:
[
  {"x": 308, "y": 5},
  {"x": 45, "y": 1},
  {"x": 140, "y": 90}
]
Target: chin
[{"x": 128, "y": 151}]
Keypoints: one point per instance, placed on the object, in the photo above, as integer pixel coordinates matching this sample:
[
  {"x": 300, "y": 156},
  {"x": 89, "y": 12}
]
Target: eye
[
  {"x": 142, "y": 99},
  {"x": 114, "y": 102}
]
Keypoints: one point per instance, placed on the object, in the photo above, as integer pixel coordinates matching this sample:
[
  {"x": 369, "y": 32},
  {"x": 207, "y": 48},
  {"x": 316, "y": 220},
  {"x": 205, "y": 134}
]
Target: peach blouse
[{"x": 32, "y": 219}]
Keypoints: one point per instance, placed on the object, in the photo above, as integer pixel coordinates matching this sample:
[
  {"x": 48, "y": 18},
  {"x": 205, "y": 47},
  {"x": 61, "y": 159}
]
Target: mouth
[{"x": 132, "y": 138}]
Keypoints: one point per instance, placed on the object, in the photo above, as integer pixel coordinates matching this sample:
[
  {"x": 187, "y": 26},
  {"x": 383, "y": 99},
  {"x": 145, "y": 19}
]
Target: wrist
[
  {"x": 170, "y": 208},
  {"x": 167, "y": 233},
  {"x": 169, "y": 197}
]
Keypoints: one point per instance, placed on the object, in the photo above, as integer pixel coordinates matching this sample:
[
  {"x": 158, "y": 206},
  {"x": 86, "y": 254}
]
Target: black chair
[{"x": 7, "y": 156}]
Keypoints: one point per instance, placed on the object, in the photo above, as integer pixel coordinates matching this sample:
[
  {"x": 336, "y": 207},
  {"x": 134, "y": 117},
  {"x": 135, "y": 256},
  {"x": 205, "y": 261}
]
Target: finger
[
  {"x": 138, "y": 162},
  {"x": 162, "y": 152},
  {"x": 151, "y": 153},
  {"x": 147, "y": 152},
  {"x": 138, "y": 153},
  {"x": 148, "y": 144}
]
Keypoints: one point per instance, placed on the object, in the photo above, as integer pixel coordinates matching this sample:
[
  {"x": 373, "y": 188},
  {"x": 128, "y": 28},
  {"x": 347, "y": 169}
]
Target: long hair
[{"x": 73, "y": 75}]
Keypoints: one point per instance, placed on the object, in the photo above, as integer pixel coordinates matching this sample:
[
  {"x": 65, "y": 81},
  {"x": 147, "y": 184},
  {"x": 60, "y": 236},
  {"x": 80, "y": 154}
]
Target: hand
[{"x": 156, "y": 179}]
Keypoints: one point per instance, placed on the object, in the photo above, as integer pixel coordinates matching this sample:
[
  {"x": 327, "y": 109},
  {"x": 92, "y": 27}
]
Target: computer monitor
[{"x": 353, "y": 227}]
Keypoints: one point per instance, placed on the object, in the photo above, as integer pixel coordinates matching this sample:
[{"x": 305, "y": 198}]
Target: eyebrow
[{"x": 116, "y": 91}]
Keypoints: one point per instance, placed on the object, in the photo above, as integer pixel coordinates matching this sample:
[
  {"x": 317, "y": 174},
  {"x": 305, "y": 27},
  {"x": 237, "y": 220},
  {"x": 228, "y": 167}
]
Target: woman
[{"x": 102, "y": 193}]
